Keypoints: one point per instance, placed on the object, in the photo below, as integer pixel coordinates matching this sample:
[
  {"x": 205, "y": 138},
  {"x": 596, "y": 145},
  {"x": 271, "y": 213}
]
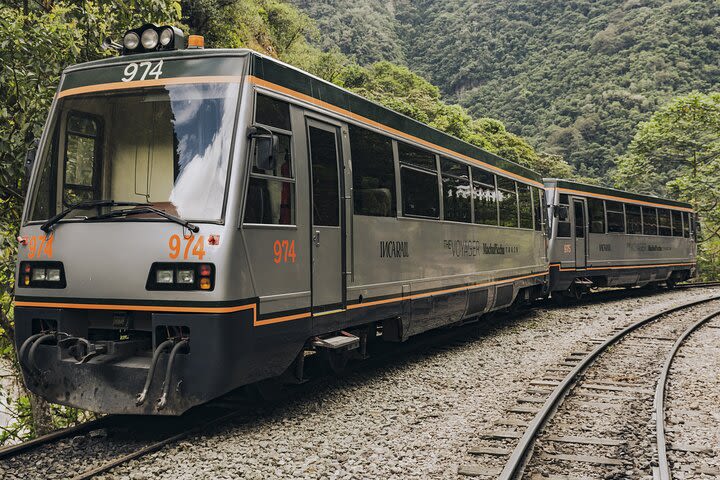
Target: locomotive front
[{"x": 125, "y": 254}]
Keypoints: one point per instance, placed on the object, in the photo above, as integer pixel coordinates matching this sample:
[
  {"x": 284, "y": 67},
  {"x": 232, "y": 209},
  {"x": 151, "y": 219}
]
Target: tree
[{"x": 677, "y": 153}]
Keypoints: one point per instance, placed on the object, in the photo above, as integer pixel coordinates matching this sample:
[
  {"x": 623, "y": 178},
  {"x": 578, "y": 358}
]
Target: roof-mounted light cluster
[{"x": 151, "y": 38}]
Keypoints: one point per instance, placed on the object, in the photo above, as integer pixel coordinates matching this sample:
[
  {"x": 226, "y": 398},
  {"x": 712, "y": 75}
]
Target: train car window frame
[
  {"x": 410, "y": 168},
  {"x": 358, "y": 176},
  {"x": 288, "y": 178},
  {"x": 538, "y": 204},
  {"x": 676, "y": 217},
  {"x": 482, "y": 182},
  {"x": 97, "y": 137},
  {"x": 686, "y": 224},
  {"x": 447, "y": 175},
  {"x": 514, "y": 193},
  {"x": 596, "y": 215},
  {"x": 564, "y": 224},
  {"x": 636, "y": 227},
  {"x": 525, "y": 190},
  {"x": 617, "y": 225},
  {"x": 645, "y": 212},
  {"x": 664, "y": 222}
]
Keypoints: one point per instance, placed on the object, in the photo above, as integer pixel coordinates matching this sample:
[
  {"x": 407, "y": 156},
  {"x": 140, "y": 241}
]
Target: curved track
[{"x": 514, "y": 468}]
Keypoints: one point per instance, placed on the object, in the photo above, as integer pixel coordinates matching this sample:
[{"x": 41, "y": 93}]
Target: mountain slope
[{"x": 574, "y": 77}]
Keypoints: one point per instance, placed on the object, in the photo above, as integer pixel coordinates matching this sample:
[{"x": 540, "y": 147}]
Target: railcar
[
  {"x": 198, "y": 220},
  {"x": 602, "y": 237}
]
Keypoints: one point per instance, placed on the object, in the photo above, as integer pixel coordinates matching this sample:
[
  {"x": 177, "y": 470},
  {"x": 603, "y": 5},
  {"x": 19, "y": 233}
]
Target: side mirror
[{"x": 267, "y": 147}]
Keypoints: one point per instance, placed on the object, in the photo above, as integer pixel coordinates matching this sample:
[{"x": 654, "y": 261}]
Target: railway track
[
  {"x": 138, "y": 436},
  {"x": 590, "y": 417}
]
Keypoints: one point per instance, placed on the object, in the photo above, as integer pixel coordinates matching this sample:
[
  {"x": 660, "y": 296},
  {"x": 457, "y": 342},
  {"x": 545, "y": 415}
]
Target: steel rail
[
  {"x": 516, "y": 462},
  {"x": 11, "y": 450},
  {"x": 659, "y": 402}
]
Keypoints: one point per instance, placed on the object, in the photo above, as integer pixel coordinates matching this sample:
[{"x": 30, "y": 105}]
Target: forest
[{"x": 571, "y": 89}]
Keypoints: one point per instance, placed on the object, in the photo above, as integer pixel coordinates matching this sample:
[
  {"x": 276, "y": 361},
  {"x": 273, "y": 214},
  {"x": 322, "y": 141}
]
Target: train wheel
[{"x": 670, "y": 283}]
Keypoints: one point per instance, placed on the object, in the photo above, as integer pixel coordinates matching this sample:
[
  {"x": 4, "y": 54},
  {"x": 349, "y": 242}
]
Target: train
[{"x": 200, "y": 219}]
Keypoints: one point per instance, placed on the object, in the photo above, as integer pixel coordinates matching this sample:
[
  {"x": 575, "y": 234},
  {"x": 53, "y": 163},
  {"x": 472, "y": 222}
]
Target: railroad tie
[
  {"x": 489, "y": 451},
  {"x": 583, "y": 459},
  {"x": 608, "y": 442},
  {"x": 478, "y": 471}
]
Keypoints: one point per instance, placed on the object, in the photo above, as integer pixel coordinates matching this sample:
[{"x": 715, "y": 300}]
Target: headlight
[
  {"x": 42, "y": 275},
  {"x": 39, "y": 275},
  {"x": 53, "y": 275},
  {"x": 131, "y": 40},
  {"x": 186, "y": 276},
  {"x": 164, "y": 276},
  {"x": 181, "y": 276},
  {"x": 149, "y": 39},
  {"x": 166, "y": 36}
]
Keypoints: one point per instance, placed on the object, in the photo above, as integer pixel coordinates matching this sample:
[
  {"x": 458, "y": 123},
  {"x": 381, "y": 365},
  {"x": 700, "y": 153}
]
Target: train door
[
  {"x": 581, "y": 237},
  {"x": 328, "y": 222}
]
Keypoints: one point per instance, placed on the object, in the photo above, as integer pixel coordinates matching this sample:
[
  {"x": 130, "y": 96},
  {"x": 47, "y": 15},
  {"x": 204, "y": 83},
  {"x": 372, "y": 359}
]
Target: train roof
[
  {"x": 268, "y": 71},
  {"x": 611, "y": 193}
]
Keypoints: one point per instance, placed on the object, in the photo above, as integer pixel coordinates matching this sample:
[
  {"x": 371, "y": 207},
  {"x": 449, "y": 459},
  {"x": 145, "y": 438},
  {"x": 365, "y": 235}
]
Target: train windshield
[{"x": 167, "y": 146}]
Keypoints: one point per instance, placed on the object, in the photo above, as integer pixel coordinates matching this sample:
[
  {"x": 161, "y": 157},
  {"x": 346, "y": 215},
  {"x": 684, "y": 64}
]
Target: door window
[
  {"x": 82, "y": 163},
  {"x": 326, "y": 190},
  {"x": 579, "y": 220}
]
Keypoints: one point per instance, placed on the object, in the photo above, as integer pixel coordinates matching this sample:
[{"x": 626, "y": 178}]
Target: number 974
[{"x": 284, "y": 251}]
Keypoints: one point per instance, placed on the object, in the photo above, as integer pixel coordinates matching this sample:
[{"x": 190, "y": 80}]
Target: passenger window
[
  {"x": 615, "y": 217},
  {"x": 664, "y": 223},
  {"x": 272, "y": 112},
  {"x": 686, "y": 225},
  {"x": 419, "y": 182},
  {"x": 484, "y": 197},
  {"x": 563, "y": 217},
  {"x": 82, "y": 162},
  {"x": 677, "y": 223},
  {"x": 525, "y": 203},
  {"x": 579, "y": 209},
  {"x": 325, "y": 186},
  {"x": 649, "y": 216},
  {"x": 634, "y": 219},
  {"x": 596, "y": 212},
  {"x": 507, "y": 196},
  {"x": 539, "y": 206},
  {"x": 456, "y": 190},
  {"x": 373, "y": 173},
  {"x": 271, "y": 193}
]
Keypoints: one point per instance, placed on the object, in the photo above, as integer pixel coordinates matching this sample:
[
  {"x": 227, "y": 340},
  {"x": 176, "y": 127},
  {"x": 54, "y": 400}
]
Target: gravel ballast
[{"x": 415, "y": 418}]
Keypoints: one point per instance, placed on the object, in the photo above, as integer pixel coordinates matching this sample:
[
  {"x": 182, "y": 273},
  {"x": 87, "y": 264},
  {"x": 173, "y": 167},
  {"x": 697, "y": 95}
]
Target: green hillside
[{"x": 573, "y": 77}]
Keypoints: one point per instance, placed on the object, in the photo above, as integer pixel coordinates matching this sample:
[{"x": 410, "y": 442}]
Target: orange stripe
[
  {"x": 143, "y": 308},
  {"x": 306, "y": 98},
  {"x": 438, "y": 292},
  {"x": 256, "y": 322},
  {"x": 623, "y": 199},
  {"x": 621, "y": 267},
  {"x": 288, "y": 318},
  {"x": 105, "y": 87}
]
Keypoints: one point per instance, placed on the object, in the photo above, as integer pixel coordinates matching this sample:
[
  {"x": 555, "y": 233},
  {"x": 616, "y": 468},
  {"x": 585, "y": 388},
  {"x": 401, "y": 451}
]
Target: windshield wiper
[
  {"x": 84, "y": 205},
  {"x": 145, "y": 208}
]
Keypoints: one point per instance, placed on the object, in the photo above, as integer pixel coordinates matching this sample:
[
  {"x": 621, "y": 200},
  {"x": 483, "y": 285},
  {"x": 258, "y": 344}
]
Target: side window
[
  {"x": 325, "y": 186},
  {"x": 579, "y": 210},
  {"x": 507, "y": 195},
  {"x": 539, "y": 207},
  {"x": 484, "y": 197},
  {"x": 634, "y": 219},
  {"x": 563, "y": 216},
  {"x": 525, "y": 203},
  {"x": 419, "y": 182},
  {"x": 596, "y": 212},
  {"x": 615, "y": 217},
  {"x": 456, "y": 190},
  {"x": 83, "y": 140},
  {"x": 686, "y": 224},
  {"x": 271, "y": 193},
  {"x": 664, "y": 223},
  {"x": 677, "y": 223},
  {"x": 373, "y": 173},
  {"x": 649, "y": 216}
]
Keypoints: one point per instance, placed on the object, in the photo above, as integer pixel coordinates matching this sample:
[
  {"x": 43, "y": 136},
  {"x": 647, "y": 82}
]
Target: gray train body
[
  {"x": 283, "y": 261},
  {"x": 606, "y": 237}
]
